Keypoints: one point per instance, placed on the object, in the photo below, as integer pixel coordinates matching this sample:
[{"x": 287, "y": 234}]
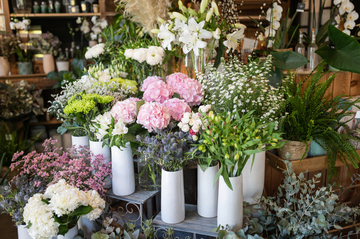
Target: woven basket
[{"x": 294, "y": 150}]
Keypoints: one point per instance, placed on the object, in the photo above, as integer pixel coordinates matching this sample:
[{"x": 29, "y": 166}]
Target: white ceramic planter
[
  {"x": 123, "y": 176},
  {"x": 48, "y": 63},
  {"x": 254, "y": 178},
  {"x": 23, "y": 232},
  {"x": 80, "y": 140},
  {"x": 97, "y": 148},
  {"x": 172, "y": 197},
  {"x": 4, "y": 66},
  {"x": 70, "y": 234},
  {"x": 230, "y": 203},
  {"x": 63, "y": 65},
  {"x": 87, "y": 226},
  {"x": 92, "y": 43},
  {"x": 207, "y": 191}
]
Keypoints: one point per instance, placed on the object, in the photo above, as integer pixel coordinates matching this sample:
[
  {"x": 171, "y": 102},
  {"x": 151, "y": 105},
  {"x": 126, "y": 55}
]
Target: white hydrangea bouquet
[
  {"x": 58, "y": 210},
  {"x": 197, "y": 32}
]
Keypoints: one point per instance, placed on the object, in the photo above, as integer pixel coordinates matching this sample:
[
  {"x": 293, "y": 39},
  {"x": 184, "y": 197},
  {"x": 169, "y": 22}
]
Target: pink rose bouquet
[
  {"x": 158, "y": 91},
  {"x": 177, "y": 108},
  {"x": 148, "y": 81},
  {"x": 153, "y": 115}
]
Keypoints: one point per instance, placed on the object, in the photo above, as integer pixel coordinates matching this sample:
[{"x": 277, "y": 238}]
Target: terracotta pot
[{"x": 294, "y": 150}]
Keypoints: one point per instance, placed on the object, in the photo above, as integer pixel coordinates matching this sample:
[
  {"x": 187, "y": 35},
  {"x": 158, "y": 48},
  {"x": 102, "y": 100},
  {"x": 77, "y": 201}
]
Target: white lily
[
  {"x": 191, "y": 42},
  {"x": 232, "y": 39},
  {"x": 346, "y": 7},
  {"x": 216, "y": 33},
  {"x": 179, "y": 25},
  {"x": 166, "y": 36},
  {"x": 197, "y": 28}
]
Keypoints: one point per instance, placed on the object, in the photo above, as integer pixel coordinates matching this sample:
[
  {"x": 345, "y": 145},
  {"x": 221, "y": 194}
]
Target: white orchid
[
  {"x": 352, "y": 16},
  {"x": 347, "y": 32},
  {"x": 269, "y": 32},
  {"x": 232, "y": 39},
  {"x": 337, "y": 2},
  {"x": 12, "y": 25},
  {"x": 167, "y": 36},
  {"x": 85, "y": 29},
  {"x": 275, "y": 25},
  {"x": 349, "y": 25},
  {"x": 191, "y": 42},
  {"x": 78, "y": 20},
  {"x": 338, "y": 19},
  {"x": 93, "y": 19},
  {"x": 346, "y": 6}
]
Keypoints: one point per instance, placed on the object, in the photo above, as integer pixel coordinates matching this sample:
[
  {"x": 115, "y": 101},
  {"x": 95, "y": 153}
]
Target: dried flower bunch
[
  {"x": 46, "y": 44},
  {"x": 8, "y": 44}
]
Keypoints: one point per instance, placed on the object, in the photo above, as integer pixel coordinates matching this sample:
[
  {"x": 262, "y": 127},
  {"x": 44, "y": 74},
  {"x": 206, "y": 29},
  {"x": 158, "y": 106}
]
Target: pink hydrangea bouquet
[
  {"x": 78, "y": 166},
  {"x": 153, "y": 115}
]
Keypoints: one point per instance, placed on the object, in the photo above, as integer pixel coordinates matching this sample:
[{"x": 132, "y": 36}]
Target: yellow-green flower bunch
[
  {"x": 84, "y": 103},
  {"x": 127, "y": 84}
]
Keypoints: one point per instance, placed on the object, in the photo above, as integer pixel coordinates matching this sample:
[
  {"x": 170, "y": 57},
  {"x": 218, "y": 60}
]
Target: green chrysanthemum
[{"x": 84, "y": 103}]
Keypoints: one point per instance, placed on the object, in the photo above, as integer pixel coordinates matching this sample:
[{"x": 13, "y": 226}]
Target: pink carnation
[
  {"x": 176, "y": 80},
  {"x": 177, "y": 108},
  {"x": 125, "y": 111},
  {"x": 192, "y": 92},
  {"x": 153, "y": 115},
  {"x": 148, "y": 81},
  {"x": 158, "y": 91}
]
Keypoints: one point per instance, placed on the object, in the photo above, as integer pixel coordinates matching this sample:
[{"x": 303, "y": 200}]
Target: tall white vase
[
  {"x": 123, "y": 176},
  {"x": 79, "y": 140},
  {"x": 172, "y": 197},
  {"x": 70, "y": 234},
  {"x": 23, "y": 232},
  {"x": 48, "y": 63},
  {"x": 87, "y": 226},
  {"x": 230, "y": 203},
  {"x": 254, "y": 178},
  {"x": 4, "y": 66},
  {"x": 207, "y": 191},
  {"x": 97, "y": 148}
]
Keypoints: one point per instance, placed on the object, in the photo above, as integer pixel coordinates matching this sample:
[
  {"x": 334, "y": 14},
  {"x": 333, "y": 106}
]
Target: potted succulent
[
  {"x": 62, "y": 62},
  {"x": 8, "y": 45},
  {"x": 25, "y": 60}
]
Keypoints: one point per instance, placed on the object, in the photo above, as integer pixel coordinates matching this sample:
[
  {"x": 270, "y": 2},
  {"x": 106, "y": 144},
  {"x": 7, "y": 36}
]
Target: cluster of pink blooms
[
  {"x": 125, "y": 110},
  {"x": 159, "y": 107},
  {"x": 79, "y": 167}
]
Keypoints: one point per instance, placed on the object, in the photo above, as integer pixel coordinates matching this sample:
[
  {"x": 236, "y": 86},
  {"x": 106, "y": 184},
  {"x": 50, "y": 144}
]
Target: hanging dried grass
[{"x": 146, "y": 12}]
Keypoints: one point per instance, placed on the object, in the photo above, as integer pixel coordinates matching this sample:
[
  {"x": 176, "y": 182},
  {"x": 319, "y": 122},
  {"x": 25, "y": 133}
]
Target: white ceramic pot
[
  {"x": 254, "y": 178},
  {"x": 97, "y": 148},
  {"x": 23, "y": 232},
  {"x": 230, "y": 203},
  {"x": 123, "y": 176},
  {"x": 172, "y": 196},
  {"x": 80, "y": 140},
  {"x": 92, "y": 43},
  {"x": 48, "y": 63},
  {"x": 4, "y": 66},
  {"x": 63, "y": 65},
  {"x": 87, "y": 226},
  {"x": 207, "y": 191},
  {"x": 70, "y": 234}
]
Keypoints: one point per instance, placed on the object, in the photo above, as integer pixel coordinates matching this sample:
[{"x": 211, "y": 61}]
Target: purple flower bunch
[{"x": 78, "y": 166}]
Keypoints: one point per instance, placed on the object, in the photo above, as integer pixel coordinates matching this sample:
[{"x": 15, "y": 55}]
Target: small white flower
[
  {"x": 85, "y": 29},
  {"x": 85, "y": 23},
  {"x": 349, "y": 25},
  {"x": 346, "y": 6},
  {"x": 338, "y": 19},
  {"x": 96, "y": 30},
  {"x": 347, "y": 32},
  {"x": 78, "y": 20},
  {"x": 93, "y": 36},
  {"x": 185, "y": 128},
  {"x": 167, "y": 36},
  {"x": 216, "y": 34},
  {"x": 93, "y": 20},
  {"x": 352, "y": 16},
  {"x": 12, "y": 25}
]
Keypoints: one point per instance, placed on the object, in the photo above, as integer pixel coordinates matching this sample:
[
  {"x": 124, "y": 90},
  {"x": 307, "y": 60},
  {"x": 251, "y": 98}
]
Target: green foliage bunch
[{"x": 232, "y": 139}]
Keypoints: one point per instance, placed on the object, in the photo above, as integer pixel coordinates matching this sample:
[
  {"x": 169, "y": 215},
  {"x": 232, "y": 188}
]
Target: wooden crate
[{"x": 275, "y": 166}]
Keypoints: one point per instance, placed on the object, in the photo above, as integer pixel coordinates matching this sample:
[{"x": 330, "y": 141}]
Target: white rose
[
  {"x": 180, "y": 125},
  {"x": 153, "y": 57},
  {"x": 191, "y": 122},
  {"x": 158, "y": 50},
  {"x": 140, "y": 54},
  {"x": 129, "y": 53},
  {"x": 185, "y": 128},
  {"x": 196, "y": 128},
  {"x": 185, "y": 120}
]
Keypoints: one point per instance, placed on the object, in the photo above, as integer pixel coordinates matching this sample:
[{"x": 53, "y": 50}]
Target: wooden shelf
[
  {"x": 46, "y": 123},
  {"x": 56, "y": 15}
]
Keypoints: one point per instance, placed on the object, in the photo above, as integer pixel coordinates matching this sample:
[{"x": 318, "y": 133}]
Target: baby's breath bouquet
[{"x": 244, "y": 88}]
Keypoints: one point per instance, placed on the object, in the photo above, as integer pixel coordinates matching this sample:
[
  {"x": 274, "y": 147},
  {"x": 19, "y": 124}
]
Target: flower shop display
[
  {"x": 57, "y": 211},
  {"x": 93, "y": 33},
  {"x": 8, "y": 44},
  {"x": 47, "y": 45},
  {"x": 244, "y": 88}
]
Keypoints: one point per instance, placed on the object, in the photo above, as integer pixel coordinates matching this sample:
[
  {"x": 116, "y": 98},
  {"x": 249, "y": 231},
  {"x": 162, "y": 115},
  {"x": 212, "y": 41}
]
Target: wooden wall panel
[
  {"x": 355, "y": 84},
  {"x": 342, "y": 84}
]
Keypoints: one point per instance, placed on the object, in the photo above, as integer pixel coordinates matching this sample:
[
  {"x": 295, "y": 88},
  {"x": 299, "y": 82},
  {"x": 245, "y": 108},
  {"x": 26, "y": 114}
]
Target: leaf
[
  {"x": 77, "y": 67},
  {"x": 63, "y": 229},
  {"x": 138, "y": 105},
  {"x": 322, "y": 33},
  {"x": 220, "y": 54},
  {"x": 275, "y": 77},
  {"x": 346, "y": 55},
  {"x": 287, "y": 60},
  {"x": 82, "y": 210}
]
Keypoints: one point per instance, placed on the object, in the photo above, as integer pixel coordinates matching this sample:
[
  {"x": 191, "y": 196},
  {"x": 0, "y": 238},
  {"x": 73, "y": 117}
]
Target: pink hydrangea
[
  {"x": 177, "y": 108},
  {"x": 192, "y": 92},
  {"x": 125, "y": 111},
  {"x": 176, "y": 80},
  {"x": 148, "y": 81},
  {"x": 158, "y": 91},
  {"x": 153, "y": 115}
]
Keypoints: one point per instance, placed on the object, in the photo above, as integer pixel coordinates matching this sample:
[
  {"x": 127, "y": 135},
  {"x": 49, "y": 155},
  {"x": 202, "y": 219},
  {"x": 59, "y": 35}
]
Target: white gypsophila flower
[
  {"x": 120, "y": 128},
  {"x": 167, "y": 36},
  {"x": 352, "y": 16},
  {"x": 78, "y": 20},
  {"x": 346, "y": 6},
  {"x": 140, "y": 54},
  {"x": 97, "y": 203},
  {"x": 129, "y": 53}
]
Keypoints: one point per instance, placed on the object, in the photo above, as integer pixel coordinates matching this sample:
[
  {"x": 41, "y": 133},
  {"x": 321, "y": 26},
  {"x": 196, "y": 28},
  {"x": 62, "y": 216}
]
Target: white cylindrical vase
[
  {"x": 254, "y": 178},
  {"x": 70, "y": 234},
  {"x": 230, "y": 203},
  {"x": 97, "y": 148},
  {"x": 87, "y": 226},
  {"x": 23, "y": 232},
  {"x": 48, "y": 63},
  {"x": 207, "y": 191},
  {"x": 4, "y": 66},
  {"x": 123, "y": 176},
  {"x": 63, "y": 65},
  {"x": 79, "y": 140},
  {"x": 172, "y": 197}
]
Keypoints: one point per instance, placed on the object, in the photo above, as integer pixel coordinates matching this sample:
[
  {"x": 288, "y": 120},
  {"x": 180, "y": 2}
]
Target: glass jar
[
  {"x": 149, "y": 173},
  {"x": 43, "y": 7}
]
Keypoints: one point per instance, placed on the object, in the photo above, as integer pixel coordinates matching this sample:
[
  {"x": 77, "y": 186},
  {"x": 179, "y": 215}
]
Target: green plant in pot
[
  {"x": 232, "y": 139},
  {"x": 62, "y": 62},
  {"x": 24, "y": 60}
]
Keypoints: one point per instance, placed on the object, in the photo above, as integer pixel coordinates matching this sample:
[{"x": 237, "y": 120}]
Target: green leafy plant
[
  {"x": 312, "y": 116},
  {"x": 227, "y": 233},
  {"x": 24, "y": 55},
  {"x": 301, "y": 211}
]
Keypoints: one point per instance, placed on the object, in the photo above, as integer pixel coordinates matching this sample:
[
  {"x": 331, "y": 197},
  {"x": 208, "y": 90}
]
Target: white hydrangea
[
  {"x": 153, "y": 55},
  {"x": 66, "y": 201},
  {"x": 95, "y": 51},
  {"x": 97, "y": 203}
]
